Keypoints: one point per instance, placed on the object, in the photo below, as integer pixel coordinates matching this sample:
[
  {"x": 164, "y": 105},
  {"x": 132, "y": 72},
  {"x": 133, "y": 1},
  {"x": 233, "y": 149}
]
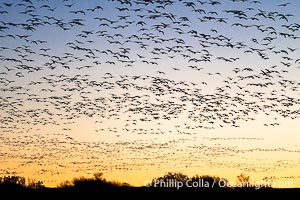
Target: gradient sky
[{"x": 136, "y": 90}]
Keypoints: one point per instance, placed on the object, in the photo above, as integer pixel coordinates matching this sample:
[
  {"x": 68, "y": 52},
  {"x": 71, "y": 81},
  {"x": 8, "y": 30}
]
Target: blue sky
[{"x": 119, "y": 82}]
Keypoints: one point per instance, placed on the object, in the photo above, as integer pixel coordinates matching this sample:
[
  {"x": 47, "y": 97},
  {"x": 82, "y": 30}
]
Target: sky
[{"x": 136, "y": 89}]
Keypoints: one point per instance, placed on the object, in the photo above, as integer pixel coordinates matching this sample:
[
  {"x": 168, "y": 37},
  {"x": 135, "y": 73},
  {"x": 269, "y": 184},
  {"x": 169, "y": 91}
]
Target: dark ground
[{"x": 149, "y": 193}]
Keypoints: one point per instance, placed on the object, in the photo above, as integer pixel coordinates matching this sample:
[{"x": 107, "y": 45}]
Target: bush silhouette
[
  {"x": 96, "y": 182},
  {"x": 91, "y": 183}
]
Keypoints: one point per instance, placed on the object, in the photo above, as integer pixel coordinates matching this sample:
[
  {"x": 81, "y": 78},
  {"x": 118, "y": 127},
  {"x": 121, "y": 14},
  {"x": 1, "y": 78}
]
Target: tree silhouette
[
  {"x": 243, "y": 180},
  {"x": 35, "y": 184},
  {"x": 12, "y": 182},
  {"x": 65, "y": 184}
]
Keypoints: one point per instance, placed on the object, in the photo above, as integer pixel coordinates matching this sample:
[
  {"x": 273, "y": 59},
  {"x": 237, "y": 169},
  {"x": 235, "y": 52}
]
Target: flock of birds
[{"x": 144, "y": 69}]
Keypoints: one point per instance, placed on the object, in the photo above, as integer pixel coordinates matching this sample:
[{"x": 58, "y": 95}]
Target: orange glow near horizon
[{"x": 137, "y": 89}]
